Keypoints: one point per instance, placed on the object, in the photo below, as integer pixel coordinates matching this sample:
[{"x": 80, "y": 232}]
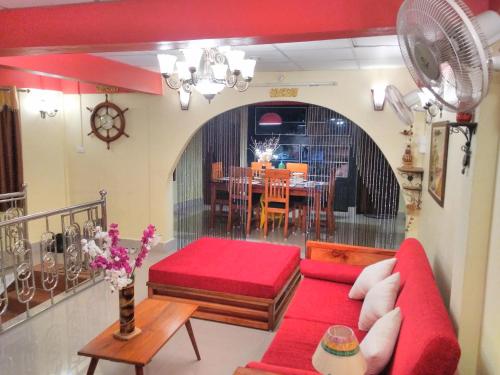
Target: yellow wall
[
  {"x": 489, "y": 354},
  {"x": 43, "y": 142},
  {"x": 442, "y": 230},
  {"x": 489, "y": 350},
  {"x": 456, "y": 236},
  {"x": 137, "y": 172}
]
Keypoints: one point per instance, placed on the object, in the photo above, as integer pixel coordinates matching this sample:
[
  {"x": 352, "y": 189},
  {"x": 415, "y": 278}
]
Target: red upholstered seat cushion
[
  {"x": 427, "y": 343},
  {"x": 338, "y": 272},
  {"x": 295, "y": 343},
  {"x": 325, "y": 302},
  {"x": 238, "y": 267},
  {"x": 279, "y": 369}
]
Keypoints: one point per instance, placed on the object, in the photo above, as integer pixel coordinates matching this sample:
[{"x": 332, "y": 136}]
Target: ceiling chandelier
[{"x": 207, "y": 70}]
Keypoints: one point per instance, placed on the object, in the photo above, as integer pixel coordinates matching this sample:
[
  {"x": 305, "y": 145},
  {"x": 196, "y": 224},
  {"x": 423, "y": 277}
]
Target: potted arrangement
[{"x": 119, "y": 268}]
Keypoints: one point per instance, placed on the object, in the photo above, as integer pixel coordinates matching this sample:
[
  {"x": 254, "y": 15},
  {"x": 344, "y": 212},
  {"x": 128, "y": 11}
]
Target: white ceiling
[
  {"x": 357, "y": 53},
  {"x": 8, "y": 4}
]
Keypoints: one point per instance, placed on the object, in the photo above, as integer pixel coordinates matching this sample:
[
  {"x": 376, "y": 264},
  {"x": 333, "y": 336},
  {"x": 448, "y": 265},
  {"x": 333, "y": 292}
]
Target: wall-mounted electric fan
[
  {"x": 402, "y": 105},
  {"x": 446, "y": 49},
  {"x": 417, "y": 100}
]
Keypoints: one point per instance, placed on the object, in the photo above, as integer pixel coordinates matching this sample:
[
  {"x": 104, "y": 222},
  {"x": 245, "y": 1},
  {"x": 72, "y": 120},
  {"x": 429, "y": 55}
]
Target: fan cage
[{"x": 449, "y": 29}]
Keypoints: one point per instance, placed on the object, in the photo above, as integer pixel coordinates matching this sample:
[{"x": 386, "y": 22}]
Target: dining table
[{"x": 311, "y": 189}]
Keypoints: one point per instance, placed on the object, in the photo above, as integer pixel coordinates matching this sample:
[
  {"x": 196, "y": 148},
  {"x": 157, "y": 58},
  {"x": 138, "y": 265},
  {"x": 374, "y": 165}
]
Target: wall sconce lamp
[
  {"x": 184, "y": 98},
  {"x": 378, "y": 96},
  {"x": 46, "y": 110}
]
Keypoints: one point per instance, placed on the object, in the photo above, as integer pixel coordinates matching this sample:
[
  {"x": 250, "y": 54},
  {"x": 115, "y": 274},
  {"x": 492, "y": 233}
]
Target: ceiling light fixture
[{"x": 208, "y": 70}]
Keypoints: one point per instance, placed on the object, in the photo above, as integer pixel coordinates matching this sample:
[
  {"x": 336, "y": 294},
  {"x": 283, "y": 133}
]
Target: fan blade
[{"x": 398, "y": 104}]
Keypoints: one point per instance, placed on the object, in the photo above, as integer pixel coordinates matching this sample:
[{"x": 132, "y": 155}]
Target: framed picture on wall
[{"x": 437, "y": 161}]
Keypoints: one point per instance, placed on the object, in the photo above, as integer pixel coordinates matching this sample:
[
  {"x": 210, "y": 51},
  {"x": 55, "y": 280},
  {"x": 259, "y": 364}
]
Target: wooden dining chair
[
  {"x": 221, "y": 197},
  {"x": 240, "y": 196},
  {"x": 261, "y": 165},
  {"x": 276, "y": 196},
  {"x": 259, "y": 168},
  {"x": 298, "y": 167},
  {"x": 328, "y": 206},
  {"x": 298, "y": 204},
  {"x": 217, "y": 171}
]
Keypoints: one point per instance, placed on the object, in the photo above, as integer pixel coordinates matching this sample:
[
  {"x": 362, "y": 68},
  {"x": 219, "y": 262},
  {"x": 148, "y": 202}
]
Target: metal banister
[
  {"x": 40, "y": 215},
  {"x": 50, "y": 272}
]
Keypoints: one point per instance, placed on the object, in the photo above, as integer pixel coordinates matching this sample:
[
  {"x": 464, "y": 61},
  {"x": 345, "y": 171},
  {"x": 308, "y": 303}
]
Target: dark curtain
[
  {"x": 221, "y": 142},
  {"x": 11, "y": 162}
]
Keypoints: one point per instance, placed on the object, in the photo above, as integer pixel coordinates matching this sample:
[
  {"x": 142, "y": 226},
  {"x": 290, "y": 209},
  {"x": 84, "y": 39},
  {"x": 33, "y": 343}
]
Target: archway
[{"x": 366, "y": 204}]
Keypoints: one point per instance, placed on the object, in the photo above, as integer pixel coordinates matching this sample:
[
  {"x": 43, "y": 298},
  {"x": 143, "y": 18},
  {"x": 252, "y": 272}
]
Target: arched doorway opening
[{"x": 365, "y": 200}]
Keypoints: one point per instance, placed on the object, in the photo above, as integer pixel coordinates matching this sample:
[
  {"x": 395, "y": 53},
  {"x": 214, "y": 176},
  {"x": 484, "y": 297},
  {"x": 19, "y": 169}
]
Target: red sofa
[{"x": 427, "y": 343}]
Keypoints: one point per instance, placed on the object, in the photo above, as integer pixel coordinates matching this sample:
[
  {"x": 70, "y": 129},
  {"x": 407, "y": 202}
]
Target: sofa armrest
[
  {"x": 278, "y": 370},
  {"x": 337, "y": 272},
  {"x": 347, "y": 254}
]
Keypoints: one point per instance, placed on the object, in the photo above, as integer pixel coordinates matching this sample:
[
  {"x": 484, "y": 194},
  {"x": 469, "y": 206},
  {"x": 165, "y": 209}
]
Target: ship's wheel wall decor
[{"x": 107, "y": 121}]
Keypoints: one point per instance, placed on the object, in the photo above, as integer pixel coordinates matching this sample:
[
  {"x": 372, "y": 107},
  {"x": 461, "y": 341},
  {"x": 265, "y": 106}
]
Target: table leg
[
  {"x": 317, "y": 204},
  {"x": 92, "y": 366},
  {"x": 213, "y": 196},
  {"x": 193, "y": 341},
  {"x": 139, "y": 370}
]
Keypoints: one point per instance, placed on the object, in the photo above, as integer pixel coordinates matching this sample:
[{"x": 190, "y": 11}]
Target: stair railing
[
  {"x": 51, "y": 277},
  {"x": 12, "y": 205}
]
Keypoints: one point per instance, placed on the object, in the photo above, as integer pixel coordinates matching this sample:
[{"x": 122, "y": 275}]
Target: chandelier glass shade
[{"x": 207, "y": 70}]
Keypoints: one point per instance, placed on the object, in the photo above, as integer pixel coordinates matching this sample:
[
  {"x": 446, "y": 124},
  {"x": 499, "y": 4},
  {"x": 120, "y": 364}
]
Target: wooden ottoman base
[{"x": 253, "y": 312}]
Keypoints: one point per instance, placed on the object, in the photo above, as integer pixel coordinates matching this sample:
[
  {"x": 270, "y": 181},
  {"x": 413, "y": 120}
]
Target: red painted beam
[
  {"x": 152, "y": 24},
  {"x": 26, "y": 80},
  {"x": 88, "y": 69}
]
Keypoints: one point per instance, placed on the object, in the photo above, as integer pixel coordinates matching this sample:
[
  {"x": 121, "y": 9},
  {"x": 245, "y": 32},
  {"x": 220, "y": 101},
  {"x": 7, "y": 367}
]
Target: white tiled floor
[{"x": 48, "y": 343}]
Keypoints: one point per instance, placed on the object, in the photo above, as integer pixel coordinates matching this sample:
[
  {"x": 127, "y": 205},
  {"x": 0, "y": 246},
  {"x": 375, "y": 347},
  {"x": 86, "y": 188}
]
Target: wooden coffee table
[{"x": 158, "y": 319}]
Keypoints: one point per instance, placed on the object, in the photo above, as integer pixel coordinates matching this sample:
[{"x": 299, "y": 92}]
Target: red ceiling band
[{"x": 85, "y": 68}]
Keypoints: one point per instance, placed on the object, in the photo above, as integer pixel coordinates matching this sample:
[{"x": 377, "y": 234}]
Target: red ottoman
[{"x": 237, "y": 282}]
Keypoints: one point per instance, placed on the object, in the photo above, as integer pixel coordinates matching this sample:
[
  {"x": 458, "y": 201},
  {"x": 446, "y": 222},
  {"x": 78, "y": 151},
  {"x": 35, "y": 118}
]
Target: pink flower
[
  {"x": 114, "y": 234},
  {"x": 100, "y": 262},
  {"x": 147, "y": 239},
  {"x": 116, "y": 259}
]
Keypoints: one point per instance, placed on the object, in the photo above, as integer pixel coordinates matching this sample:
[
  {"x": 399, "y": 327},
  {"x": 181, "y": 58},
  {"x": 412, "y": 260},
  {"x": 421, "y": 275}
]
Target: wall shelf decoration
[{"x": 413, "y": 185}]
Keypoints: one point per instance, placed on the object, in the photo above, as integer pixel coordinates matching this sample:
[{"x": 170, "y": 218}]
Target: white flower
[
  {"x": 118, "y": 279},
  {"x": 103, "y": 238},
  {"x": 91, "y": 248}
]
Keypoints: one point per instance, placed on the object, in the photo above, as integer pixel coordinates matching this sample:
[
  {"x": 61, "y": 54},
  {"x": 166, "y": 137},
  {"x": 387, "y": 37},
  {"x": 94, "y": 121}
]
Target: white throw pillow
[
  {"x": 378, "y": 345},
  {"x": 379, "y": 301},
  {"x": 371, "y": 275}
]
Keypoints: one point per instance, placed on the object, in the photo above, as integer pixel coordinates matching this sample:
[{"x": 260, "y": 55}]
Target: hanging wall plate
[{"x": 107, "y": 121}]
